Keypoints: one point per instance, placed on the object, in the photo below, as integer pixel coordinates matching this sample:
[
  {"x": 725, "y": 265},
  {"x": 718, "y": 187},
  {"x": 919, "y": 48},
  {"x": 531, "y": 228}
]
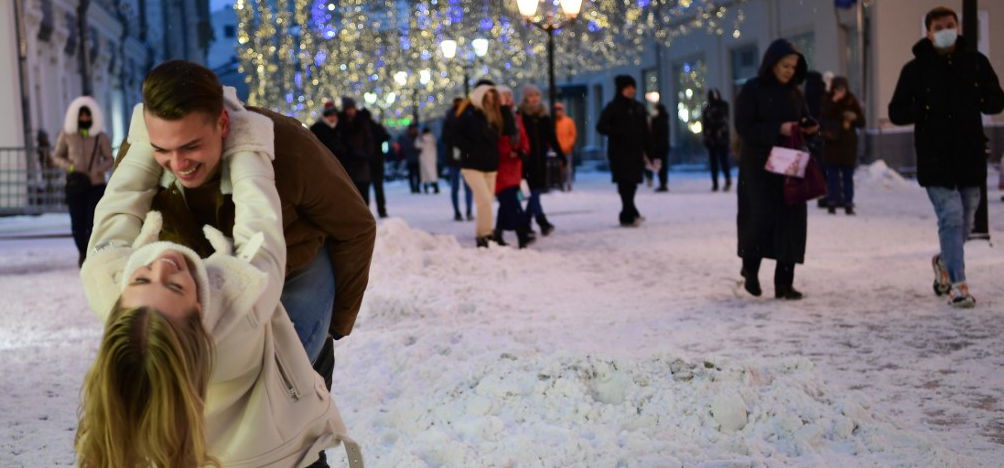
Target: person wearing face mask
[
  {"x": 771, "y": 111},
  {"x": 943, "y": 91},
  {"x": 85, "y": 151}
]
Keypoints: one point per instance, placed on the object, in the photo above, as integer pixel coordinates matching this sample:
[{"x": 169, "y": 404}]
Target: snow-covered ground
[{"x": 603, "y": 346}]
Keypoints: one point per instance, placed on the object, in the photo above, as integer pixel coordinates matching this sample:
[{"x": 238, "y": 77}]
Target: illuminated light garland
[{"x": 298, "y": 54}]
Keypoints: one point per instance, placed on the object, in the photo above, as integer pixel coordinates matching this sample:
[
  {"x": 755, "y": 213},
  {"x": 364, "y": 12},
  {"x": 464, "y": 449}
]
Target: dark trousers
[
  {"x": 534, "y": 210},
  {"x": 364, "y": 189},
  {"x": 628, "y": 211},
  {"x": 839, "y": 185},
  {"x": 455, "y": 182},
  {"x": 664, "y": 170},
  {"x": 82, "y": 217},
  {"x": 719, "y": 159},
  {"x": 414, "y": 178},
  {"x": 510, "y": 213},
  {"x": 376, "y": 171},
  {"x": 784, "y": 273}
]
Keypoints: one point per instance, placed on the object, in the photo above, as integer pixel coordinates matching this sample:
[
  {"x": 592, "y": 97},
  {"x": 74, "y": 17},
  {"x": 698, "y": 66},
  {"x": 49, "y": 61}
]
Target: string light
[{"x": 298, "y": 54}]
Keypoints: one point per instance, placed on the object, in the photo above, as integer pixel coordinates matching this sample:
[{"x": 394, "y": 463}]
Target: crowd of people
[{"x": 231, "y": 247}]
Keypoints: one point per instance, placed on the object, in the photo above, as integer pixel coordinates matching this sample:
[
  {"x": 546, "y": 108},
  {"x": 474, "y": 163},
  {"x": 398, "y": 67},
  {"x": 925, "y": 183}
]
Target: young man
[
  {"x": 943, "y": 91},
  {"x": 564, "y": 127},
  {"x": 171, "y": 163},
  {"x": 625, "y": 124}
]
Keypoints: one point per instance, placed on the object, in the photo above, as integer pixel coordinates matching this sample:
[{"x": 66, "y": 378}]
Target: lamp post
[
  {"x": 449, "y": 49},
  {"x": 528, "y": 8}
]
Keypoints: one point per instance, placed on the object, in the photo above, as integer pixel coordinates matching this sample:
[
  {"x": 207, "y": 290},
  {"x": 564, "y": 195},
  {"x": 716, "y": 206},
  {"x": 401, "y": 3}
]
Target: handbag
[
  {"x": 78, "y": 183},
  {"x": 811, "y": 184}
]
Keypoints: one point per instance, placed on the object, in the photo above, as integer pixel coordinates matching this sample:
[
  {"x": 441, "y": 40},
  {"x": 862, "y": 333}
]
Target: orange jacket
[{"x": 565, "y": 129}]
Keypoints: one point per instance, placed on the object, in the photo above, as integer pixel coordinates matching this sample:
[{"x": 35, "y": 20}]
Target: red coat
[{"x": 510, "y": 171}]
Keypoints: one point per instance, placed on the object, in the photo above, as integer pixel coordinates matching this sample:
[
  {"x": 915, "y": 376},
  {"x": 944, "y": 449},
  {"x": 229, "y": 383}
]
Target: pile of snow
[
  {"x": 879, "y": 174},
  {"x": 455, "y": 374}
]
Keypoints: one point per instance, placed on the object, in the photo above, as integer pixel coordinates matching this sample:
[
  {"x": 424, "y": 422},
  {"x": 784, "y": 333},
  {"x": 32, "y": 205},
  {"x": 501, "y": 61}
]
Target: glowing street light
[{"x": 571, "y": 9}]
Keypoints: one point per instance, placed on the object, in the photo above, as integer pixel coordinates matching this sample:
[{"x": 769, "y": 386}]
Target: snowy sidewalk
[{"x": 603, "y": 346}]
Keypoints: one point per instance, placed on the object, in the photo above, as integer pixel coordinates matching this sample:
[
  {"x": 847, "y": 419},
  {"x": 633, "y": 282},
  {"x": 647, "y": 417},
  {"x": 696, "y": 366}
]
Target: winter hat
[
  {"x": 147, "y": 253},
  {"x": 329, "y": 109},
  {"x": 623, "y": 81},
  {"x": 348, "y": 103},
  {"x": 484, "y": 81}
]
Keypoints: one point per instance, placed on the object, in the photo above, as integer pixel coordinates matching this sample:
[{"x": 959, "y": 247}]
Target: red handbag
[{"x": 802, "y": 189}]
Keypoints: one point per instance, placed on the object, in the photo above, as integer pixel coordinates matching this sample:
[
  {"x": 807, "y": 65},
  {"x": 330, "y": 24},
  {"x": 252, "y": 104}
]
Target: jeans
[
  {"x": 82, "y": 218},
  {"x": 956, "y": 210},
  {"x": 840, "y": 181},
  {"x": 719, "y": 159},
  {"x": 308, "y": 296},
  {"x": 455, "y": 182},
  {"x": 628, "y": 211},
  {"x": 534, "y": 210}
]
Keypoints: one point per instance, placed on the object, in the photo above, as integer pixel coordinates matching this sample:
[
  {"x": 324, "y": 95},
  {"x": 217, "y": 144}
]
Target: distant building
[{"x": 223, "y": 51}]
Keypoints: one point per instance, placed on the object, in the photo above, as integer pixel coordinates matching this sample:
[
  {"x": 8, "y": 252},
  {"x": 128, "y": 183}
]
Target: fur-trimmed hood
[
  {"x": 73, "y": 112},
  {"x": 478, "y": 95}
]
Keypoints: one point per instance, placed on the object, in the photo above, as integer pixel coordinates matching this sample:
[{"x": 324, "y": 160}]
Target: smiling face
[
  {"x": 165, "y": 284},
  {"x": 189, "y": 147},
  {"x": 784, "y": 69}
]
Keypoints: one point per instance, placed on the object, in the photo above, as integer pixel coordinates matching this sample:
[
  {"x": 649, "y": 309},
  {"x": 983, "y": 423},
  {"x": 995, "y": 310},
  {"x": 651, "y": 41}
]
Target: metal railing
[{"x": 29, "y": 183}]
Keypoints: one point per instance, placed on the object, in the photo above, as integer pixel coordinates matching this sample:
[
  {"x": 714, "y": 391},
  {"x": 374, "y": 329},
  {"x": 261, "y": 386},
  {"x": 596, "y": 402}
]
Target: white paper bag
[{"x": 787, "y": 161}]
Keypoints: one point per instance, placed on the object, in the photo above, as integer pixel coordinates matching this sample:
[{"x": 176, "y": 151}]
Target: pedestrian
[
  {"x": 326, "y": 130},
  {"x": 410, "y": 154},
  {"x": 841, "y": 119},
  {"x": 815, "y": 89},
  {"x": 84, "y": 150},
  {"x": 197, "y": 369},
  {"x": 943, "y": 91},
  {"x": 660, "y": 145},
  {"x": 770, "y": 109},
  {"x": 329, "y": 231},
  {"x": 717, "y": 138},
  {"x": 357, "y": 138},
  {"x": 426, "y": 143},
  {"x": 477, "y": 130},
  {"x": 564, "y": 127},
  {"x": 452, "y": 159},
  {"x": 624, "y": 123},
  {"x": 381, "y": 140},
  {"x": 540, "y": 131},
  {"x": 513, "y": 149}
]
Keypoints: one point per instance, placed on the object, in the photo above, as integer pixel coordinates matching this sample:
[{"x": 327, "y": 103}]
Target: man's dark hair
[
  {"x": 938, "y": 13},
  {"x": 177, "y": 88}
]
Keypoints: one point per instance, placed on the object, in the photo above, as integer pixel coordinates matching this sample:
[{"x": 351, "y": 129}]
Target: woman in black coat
[
  {"x": 660, "y": 145},
  {"x": 542, "y": 137},
  {"x": 770, "y": 108}
]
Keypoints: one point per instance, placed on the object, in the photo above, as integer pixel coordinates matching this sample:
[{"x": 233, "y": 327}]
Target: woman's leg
[
  {"x": 482, "y": 186},
  {"x": 751, "y": 274},
  {"x": 833, "y": 193},
  {"x": 713, "y": 162},
  {"x": 784, "y": 281},
  {"x": 723, "y": 160}
]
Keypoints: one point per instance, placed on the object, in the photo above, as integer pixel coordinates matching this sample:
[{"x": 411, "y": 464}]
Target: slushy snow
[{"x": 603, "y": 346}]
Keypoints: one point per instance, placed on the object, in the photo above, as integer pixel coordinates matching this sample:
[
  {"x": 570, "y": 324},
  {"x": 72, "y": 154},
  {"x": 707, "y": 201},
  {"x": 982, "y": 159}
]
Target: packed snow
[{"x": 604, "y": 346}]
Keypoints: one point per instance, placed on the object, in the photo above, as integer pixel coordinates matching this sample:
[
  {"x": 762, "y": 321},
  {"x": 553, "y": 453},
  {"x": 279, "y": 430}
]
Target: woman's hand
[{"x": 787, "y": 128}]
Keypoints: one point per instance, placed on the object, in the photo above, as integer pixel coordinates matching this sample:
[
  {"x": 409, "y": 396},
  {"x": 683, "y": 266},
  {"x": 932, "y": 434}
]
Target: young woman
[
  {"x": 512, "y": 150},
  {"x": 770, "y": 109},
  {"x": 543, "y": 140},
  {"x": 477, "y": 130},
  {"x": 426, "y": 142},
  {"x": 199, "y": 364}
]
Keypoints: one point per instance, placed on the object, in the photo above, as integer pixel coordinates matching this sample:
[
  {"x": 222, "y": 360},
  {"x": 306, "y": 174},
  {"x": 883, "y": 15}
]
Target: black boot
[
  {"x": 435, "y": 188},
  {"x": 546, "y": 228},
  {"x": 497, "y": 237},
  {"x": 525, "y": 237},
  {"x": 728, "y": 185},
  {"x": 786, "y": 292},
  {"x": 751, "y": 283},
  {"x": 849, "y": 209},
  {"x": 457, "y": 216},
  {"x": 482, "y": 242}
]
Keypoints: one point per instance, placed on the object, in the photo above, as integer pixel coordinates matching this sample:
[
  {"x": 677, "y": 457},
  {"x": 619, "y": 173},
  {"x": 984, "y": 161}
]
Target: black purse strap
[{"x": 90, "y": 165}]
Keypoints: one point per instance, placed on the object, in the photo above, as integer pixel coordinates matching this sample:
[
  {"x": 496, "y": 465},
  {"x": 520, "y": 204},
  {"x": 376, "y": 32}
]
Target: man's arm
[
  {"x": 992, "y": 97},
  {"x": 329, "y": 199},
  {"x": 903, "y": 109}
]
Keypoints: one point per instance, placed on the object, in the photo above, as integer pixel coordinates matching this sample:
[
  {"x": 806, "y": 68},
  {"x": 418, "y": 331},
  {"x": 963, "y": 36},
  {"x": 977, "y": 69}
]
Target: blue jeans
[
  {"x": 534, "y": 210},
  {"x": 308, "y": 296},
  {"x": 956, "y": 210},
  {"x": 455, "y": 182},
  {"x": 837, "y": 177}
]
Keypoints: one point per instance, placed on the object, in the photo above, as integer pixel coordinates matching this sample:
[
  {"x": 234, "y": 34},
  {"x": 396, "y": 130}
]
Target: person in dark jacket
[
  {"x": 410, "y": 153},
  {"x": 660, "y": 145},
  {"x": 841, "y": 118},
  {"x": 717, "y": 139},
  {"x": 770, "y": 109},
  {"x": 380, "y": 136},
  {"x": 452, "y": 158},
  {"x": 477, "y": 130},
  {"x": 543, "y": 141},
  {"x": 357, "y": 138},
  {"x": 815, "y": 91},
  {"x": 624, "y": 123},
  {"x": 327, "y": 131},
  {"x": 943, "y": 91}
]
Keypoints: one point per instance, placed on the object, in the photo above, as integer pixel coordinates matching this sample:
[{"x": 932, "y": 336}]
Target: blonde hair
[
  {"x": 492, "y": 111},
  {"x": 142, "y": 401}
]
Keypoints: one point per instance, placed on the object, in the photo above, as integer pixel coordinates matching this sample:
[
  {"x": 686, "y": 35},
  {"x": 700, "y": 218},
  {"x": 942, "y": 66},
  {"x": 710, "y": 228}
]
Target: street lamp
[
  {"x": 528, "y": 8},
  {"x": 449, "y": 48}
]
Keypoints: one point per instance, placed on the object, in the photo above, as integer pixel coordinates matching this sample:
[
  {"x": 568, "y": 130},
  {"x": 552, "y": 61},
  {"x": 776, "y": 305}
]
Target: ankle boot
[
  {"x": 751, "y": 283},
  {"x": 786, "y": 292},
  {"x": 546, "y": 228},
  {"x": 497, "y": 237},
  {"x": 525, "y": 237}
]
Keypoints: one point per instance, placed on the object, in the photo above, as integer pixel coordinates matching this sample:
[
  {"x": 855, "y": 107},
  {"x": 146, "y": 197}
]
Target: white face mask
[{"x": 945, "y": 38}]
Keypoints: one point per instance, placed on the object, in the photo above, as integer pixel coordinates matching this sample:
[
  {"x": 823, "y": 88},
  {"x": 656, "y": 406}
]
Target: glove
[{"x": 150, "y": 232}]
